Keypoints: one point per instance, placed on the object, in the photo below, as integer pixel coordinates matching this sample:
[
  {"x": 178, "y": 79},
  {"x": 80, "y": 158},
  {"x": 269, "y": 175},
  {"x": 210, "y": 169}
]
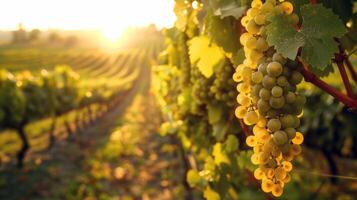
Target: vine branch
[
  {"x": 312, "y": 78},
  {"x": 244, "y": 128},
  {"x": 351, "y": 69}
]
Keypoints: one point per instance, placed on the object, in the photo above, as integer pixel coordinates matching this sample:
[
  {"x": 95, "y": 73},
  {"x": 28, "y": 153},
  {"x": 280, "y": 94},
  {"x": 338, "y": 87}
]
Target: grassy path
[{"x": 119, "y": 157}]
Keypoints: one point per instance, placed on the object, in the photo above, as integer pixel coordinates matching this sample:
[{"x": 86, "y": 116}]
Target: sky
[{"x": 110, "y": 16}]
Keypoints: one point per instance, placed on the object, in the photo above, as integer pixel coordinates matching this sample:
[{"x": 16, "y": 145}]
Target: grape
[
  {"x": 240, "y": 112},
  {"x": 277, "y": 57},
  {"x": 269, "y": 82},
  {"x": 287, "y": 166},
  {"x": 251, "y": 118},
  {"x": 276, "y": 102},
  {"x": 256, "y": 4},
  {"x": 295, "y": 78},
  {"x": 244, "y": 37},
  {"x": 252, "y": 27},
  {"x": 264, "y": 94},
  {"x": 262, "y": 45},
  {"x": 287, "y": 7},
  {"x": 290, "y": 97},
  {"x": 280, "y": 137},
  {"x": 260, "y": 19},
  {"x": 274, "y": 125},
  {"x": 282, "y": 81},
  {"x": 252, "y": 12},
  {"x": 299, "y": 138},
  {"x": 287, "y": 121},
  {"x": 258, "y": 174},
  {"x": 263, "y": 106},
  {"x": 295, "y": 149},
  {"x": 274, "y": 69},
  {"x": 257, "y": 77},
  {"x": 262, "y": 68},
  {"x": 290, "y": 132},
  {"x": 251, "y": 141},
  {"x": 243, "y": 100},
  {"x": 267, "y": 7},
  {"x": 251, "y": 42},
  {"x": 277, "y": 91},
  {"x": 244, "y": 21},
  {"x": 280, "y": 173}
]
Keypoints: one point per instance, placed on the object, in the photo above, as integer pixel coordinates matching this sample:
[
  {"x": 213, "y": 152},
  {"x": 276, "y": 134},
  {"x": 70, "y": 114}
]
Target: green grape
[
  {"x": 277, "y": 91},
  {"x": 246, "y": 73},
  {"x": 272, "y": 113},
  {"x": 243, "y": 100},
  {"x": 263, "y": 106},
  {"x": 287, "y": 121},
  {"x": 278, "y": 58},
  {"x": 280, "y": 137},
  {"x": 264, "y": 94},
  {"x": 269, "y": 82},
  {"x": 290, "y": 97},
  {"x": 282, "y": 81},
  {"x": 285, "y": 148},
  {"x": 274, "y": 125},
  {"x": 267, "y": 7},
  {"x": 263, "y": 68},
  {"x": 300, "y": 100},
  {"x": 286, "y": 72},
  {"x": 257, "y": 77},
  {"x": 277, "y": 102},
  {"x": 256, "y": 89},
  {"x": 295, "y": 78},
  {"x": 274, "y": 69},
  {"x": 240, "y": 112},
  {"x": 290, "y": 132},
  {"x": 252, "y": 12}
]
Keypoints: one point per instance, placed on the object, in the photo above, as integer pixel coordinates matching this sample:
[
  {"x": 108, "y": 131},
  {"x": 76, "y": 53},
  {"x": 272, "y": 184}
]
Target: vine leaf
[
  {"x": 214, "y": 113},
  {"x": 206, "y": 53},
  {"x": 284, "y": 37},
  {"x": 320, "y": 25},
  {"x": 227, "y": 8},
  {"x": 210, "y": 194}
]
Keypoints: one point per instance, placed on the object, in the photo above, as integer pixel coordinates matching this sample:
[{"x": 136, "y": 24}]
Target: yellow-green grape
[
  {"x": 294, "y": 19},
  {"x": 260, "y": 19},
  {"x": 277, "y": 57},
  {"x": 240, "y": 112},
  {"x": 277, "y": 190},
  {"x": 295, "y": 149},
  {"x": 274, "y": 125},
  {"x": 276, "y": 102},
  {"x": 267, "y": 7},
  {"x": 290, "y": 97},
  {"x": 280, "y": 137},
  {"x": 287, "y": 7},
  {"x": 251, "y": 141},
  {"x": 282, "y": 81},
  {"x": 287, "y": 121},
  {"x": 287, "y": 166},
  {"x": 256, "y": 3},
  {"x": 267, "y": 185},
  {"x": 243, "y": 87},
  {"x": 280, "y": 173},
  {"x": 257, "y": 77},
  {"x": 251, "y": 42},
  {"x": 261, "y": 44},
  {"x": 295, "y": 78},
  {"x": 243, "y": 100},
  {"x": 269, "y": 82},
  {"x": 290, "y": 132},
  {"x": 263, "y": 157},
  {"x": 277, "y": 91},
  {"x": 252, "y": 12},
  {"x": 263, "y": 106},
  {"x": 250, "y": 118},
  {"x": 252, "y": 27},
  {"x": 259, "y": 174},
  {"x": 243, "y": 38},
  {"x": 244, "y": 21},
  {"x": 274, "y": 69}
]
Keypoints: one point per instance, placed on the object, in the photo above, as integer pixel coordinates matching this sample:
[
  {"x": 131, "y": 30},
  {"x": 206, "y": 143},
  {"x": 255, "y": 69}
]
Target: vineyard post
[
  {"x": 52, "y": 138},
  {"x": 25, "y": 145}
]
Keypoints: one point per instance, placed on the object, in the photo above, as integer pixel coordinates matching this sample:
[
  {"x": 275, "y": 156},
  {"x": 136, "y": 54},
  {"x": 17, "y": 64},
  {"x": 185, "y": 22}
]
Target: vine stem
[
  {"x": 339, "y": 60},
  {"x": 244, "y": 128},
  {"x": 351, "y": 69},
  {"x": 345, "y": 80},
  {"x": 312, "y": 78}
]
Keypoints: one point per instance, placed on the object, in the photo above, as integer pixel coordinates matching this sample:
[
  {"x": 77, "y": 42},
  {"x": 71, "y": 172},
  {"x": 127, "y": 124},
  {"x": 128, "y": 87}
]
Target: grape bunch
[
  {"x": 268, "y": 99},
  {"x": 223, "y": 87}
]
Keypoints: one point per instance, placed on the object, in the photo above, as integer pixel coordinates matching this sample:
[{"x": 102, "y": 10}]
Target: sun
[{"x": 112, "y": 34}]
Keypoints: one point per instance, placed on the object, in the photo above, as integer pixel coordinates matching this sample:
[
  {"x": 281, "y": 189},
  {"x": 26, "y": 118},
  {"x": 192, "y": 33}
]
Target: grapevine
[{"x": 268, "y": 98}]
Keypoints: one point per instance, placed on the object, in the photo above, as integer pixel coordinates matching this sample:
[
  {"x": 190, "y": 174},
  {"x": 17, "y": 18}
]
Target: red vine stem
[
  {"x": 244, "y": 128},
  {"x": 312, "y": 78},
  {"x": 345, "y": 80},
  {"x": 339, "y": 59},
  {"x": 351, "y": 69}
]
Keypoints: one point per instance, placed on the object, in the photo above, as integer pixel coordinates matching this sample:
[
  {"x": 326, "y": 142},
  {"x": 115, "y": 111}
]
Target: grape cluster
[
  {"x": 223, "y": 86},
  {"x": 268, "y": 99}
]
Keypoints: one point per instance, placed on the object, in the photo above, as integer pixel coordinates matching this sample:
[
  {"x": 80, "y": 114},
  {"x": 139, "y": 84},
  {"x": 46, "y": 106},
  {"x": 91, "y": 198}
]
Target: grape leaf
[
  {"x": 223, "y": 32},
  {"x": 214, "y": 113},
  {"x": 297, "y": 5},
  {"x": 320, "y": 26},
  {"x": 231, "y": 144},
  {"x": 219, "y": 155},
  {"x": 284, "y": 36},
  {"x": 206, "y": 53},
  {"x": 226, "y": 8},
  {"x": 194, "y": 179}
]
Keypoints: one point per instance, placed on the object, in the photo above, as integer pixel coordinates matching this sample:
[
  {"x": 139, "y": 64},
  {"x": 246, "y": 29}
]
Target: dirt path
[{"x": 119, "y": 157}]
